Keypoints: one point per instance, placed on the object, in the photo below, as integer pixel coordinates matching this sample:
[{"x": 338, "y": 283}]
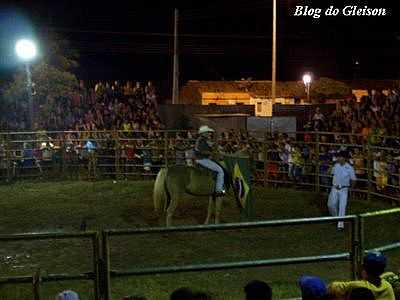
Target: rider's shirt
[{"x": 201, "y": 148}]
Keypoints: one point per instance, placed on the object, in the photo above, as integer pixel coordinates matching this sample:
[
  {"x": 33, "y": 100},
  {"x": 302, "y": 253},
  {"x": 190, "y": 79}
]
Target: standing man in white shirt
[{"x": 343, "y": 178}]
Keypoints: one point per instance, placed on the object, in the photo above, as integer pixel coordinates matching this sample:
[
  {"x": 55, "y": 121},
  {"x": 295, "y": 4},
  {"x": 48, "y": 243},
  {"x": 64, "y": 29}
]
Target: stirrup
[{"x": 220, "y": 194}]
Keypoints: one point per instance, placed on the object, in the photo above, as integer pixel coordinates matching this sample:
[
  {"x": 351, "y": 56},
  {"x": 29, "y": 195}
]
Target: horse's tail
[{"x": 160, "y": 192}]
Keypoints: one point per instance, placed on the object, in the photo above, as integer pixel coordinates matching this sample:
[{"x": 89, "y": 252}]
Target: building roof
[{"x": 193, "y": 89}]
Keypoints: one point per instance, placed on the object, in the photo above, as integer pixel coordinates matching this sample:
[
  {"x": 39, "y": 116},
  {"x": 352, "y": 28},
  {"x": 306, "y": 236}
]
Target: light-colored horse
[{"x": 174, "y": 182}]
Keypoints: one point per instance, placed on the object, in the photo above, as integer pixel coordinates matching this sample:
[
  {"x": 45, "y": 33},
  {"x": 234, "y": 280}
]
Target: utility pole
[
  {"x": 175, "y": 87},
  {"x": 30, "y": 97},
  {"x": 273, "y": 89}
]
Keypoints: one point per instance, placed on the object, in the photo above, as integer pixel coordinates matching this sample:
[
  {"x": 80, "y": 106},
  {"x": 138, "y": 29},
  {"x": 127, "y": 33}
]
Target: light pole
[
  {"x": 307, "y": 82},
  {"x": 26, "y": 51},
  {"x": 273, "y": 88}
]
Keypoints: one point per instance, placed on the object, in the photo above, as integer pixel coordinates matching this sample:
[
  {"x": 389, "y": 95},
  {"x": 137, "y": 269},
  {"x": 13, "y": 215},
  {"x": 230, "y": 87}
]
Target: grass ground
[{"x": 61, "y": 206}]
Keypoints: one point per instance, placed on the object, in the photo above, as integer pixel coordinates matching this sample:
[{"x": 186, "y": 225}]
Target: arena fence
[
  {"x": 139, "y": 155},
  {"x": 37, "y": 278},
  {"x": 102, "y": 261}
]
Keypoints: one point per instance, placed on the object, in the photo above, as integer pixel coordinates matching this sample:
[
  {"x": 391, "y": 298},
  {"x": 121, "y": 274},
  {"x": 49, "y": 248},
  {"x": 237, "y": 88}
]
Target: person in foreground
[
  {"x": 374, "y": 264},
  {"x": 67, "y": 295},
  {"x": 313, "y": 288},
  {"x": 258, "y": 290},
  {"x": 361, "y": 294}
]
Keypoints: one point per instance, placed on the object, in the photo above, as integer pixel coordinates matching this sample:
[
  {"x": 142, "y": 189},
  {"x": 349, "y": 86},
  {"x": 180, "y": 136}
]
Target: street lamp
[
  {"x": 26, "y": 51},
  {"x": 307, "y": 82}
]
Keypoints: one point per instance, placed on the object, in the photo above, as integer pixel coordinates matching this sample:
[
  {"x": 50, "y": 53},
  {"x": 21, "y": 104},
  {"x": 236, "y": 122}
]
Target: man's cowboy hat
[{"x": 205, "y": 129}]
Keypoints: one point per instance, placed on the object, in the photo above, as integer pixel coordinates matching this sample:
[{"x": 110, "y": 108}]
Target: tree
[
  {"x": 326, "y": 88},
  {"x": 52, "y": 79}
]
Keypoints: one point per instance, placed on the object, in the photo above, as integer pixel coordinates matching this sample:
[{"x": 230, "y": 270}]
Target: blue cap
[
  {"x": 375, "y": 257},
  {"x": 312, "y": 287}
]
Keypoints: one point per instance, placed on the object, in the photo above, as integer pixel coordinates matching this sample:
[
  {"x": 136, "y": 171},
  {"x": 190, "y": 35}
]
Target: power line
[{"x": 158, "y": 34}]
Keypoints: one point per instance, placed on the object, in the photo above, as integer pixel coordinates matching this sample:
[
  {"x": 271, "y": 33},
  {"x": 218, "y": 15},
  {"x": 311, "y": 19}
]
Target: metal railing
[
  {"x": 351, "y": 255},
  {"x": 102, "y": 261},
  {"x": 37, "y": 278}
]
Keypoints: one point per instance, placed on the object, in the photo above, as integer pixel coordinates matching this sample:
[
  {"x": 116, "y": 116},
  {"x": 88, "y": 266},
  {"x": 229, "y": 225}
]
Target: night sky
[{"x": 220, "y": 39}]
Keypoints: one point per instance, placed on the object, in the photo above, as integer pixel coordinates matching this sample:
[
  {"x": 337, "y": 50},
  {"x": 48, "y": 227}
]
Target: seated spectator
[
  {"x": 374, "y": 264},
  {"x": 182, "y": 294},
  {"x": 394, "y": 280},
  {"x": 258, "y": 290},
  {"x": 67, "y": 295},
  {"x": 361, "y": 294},
  {"x": 312, "y": 288}
]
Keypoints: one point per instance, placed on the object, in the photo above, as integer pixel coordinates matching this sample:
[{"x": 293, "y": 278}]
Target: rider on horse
[{"x": 203, "y": 151}]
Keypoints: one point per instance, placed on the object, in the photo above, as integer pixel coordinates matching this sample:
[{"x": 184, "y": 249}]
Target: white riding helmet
[{"x": 205, "y": 129}]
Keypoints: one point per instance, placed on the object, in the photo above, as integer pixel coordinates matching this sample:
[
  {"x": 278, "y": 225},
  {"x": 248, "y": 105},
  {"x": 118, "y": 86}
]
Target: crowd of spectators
[
  {"x": 374, "y": 284},
  {"x": 375, "y": 114},
  {"x": 297, "y": 159},
  {"x": 290, "y": 159},
  {"x": 359, "y": 128},
  {"x": 105, "y": 106}
]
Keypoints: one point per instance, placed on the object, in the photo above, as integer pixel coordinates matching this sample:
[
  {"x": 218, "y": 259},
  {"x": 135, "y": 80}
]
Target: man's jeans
[{"x": 209, "y": 164}]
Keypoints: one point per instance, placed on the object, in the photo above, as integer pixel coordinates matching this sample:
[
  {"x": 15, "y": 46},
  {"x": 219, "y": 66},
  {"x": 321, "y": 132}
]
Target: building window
[{"x": 259, "y": 107}]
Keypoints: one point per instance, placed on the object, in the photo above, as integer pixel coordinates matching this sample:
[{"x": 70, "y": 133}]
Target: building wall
[{"x": 180, "y": 116}]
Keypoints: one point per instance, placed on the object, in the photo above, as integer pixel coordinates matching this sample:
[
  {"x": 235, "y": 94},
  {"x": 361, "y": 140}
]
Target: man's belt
[{"x": 338, "y": 187}]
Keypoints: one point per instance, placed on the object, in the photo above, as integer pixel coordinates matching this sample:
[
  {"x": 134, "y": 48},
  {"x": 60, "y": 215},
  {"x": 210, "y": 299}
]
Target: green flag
[{"x": 240, "y": 168}]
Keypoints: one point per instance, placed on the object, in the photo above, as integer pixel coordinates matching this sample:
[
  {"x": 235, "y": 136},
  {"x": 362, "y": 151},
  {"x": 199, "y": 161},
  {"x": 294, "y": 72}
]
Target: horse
[{"x": 174, "y": 182}]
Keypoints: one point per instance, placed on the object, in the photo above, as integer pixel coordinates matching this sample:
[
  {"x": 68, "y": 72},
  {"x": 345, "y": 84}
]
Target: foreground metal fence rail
[
  {"x": 37, "y": 278},
  {"x": 102, "y": 261},
  {"x": 351, "y": 255}
]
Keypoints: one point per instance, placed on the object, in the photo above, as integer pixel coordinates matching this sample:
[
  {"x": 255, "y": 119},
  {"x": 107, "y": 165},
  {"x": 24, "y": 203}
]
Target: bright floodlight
[
  {"x": 26, "y": 50},
  {"x": 307, "y": 79}
]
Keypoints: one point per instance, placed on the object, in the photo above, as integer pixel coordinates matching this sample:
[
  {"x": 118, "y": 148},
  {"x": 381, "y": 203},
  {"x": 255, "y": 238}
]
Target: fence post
[
  {"x": 361, "y": 241},
  {"x": 106, "y": 268},
  {"x": 317, "y": 182},
  {"x": 9, "y": 163},
  {"x": 63, "y": 154},
  {"x": 96, "y": 266},
  {"x": 369, "y": 155},
  {"x": 36, "y": 285},
  {"x": 117, "y": 149},
  {"x": 166, "y": 148},
  {"x": 265, "y": 158},
  {"x": 354, "y": 256}
]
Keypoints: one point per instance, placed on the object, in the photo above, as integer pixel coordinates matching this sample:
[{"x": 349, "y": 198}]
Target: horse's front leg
[
  {"x": 210, "y": 210},
  {"x": 218, "y": 208},
  {"x": 170, "y": 211}
]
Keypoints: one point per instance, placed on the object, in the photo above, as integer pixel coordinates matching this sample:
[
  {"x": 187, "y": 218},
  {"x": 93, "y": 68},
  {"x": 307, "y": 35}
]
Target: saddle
[{"x": 202, "y": 180}]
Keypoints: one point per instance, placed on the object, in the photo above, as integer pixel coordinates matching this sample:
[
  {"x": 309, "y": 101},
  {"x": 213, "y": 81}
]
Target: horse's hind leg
[
  {"x": 210, "y": 211},
  {"x": 218, "y": 208}
]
